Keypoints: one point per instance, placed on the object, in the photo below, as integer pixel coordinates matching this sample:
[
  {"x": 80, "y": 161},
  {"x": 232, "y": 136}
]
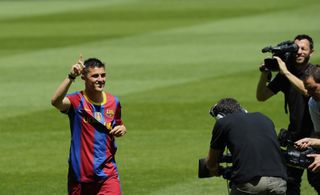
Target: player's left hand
[{"x": 118, "y": 131}]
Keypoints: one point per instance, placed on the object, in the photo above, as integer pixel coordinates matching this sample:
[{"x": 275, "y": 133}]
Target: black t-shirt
[
  {"x": 300, "y": 122},
  {"x": 252, "y": 141}
]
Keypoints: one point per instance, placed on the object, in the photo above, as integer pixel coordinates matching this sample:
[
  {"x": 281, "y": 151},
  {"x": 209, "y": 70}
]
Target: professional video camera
[
  {"x": 294, "y": 157},
  {"x": 203, "y": 171},
  {"x": 285, "y": 50}
]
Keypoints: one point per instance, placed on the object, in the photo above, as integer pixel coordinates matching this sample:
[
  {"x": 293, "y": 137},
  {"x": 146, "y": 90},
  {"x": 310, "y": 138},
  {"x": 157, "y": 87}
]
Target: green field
[{"x": 168, "y": 61}]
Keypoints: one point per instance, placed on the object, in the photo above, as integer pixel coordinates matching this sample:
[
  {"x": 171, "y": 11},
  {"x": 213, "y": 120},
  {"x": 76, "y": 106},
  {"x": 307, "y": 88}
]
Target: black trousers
[{"x": 294, "y": 180}]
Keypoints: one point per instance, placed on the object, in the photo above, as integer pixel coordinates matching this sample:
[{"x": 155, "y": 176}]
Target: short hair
[
  {"x": 226, "y": 106},
  {"x": 91, "y": 63},
  {"x": 304, "y": 36},
  {"x": 314, "y": 72}
]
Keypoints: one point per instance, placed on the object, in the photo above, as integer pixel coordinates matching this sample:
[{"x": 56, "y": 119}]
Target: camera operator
[
  {"x": 310, "y": 142},
  {"x": 251, "y": 138},
  {"x": 311, "y": 82},
  {"x": 289, "y": 81}
]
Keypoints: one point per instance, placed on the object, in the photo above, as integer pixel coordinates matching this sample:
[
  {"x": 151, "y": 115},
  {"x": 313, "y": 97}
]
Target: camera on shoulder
[{"x": 285, "y": 50}]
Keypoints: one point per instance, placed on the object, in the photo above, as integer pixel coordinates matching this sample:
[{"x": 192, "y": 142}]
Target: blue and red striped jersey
[{"x": 92, "y": 149}]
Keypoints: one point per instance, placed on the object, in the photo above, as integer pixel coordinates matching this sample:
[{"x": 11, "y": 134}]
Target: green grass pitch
[{"x": 168, "y": 61}]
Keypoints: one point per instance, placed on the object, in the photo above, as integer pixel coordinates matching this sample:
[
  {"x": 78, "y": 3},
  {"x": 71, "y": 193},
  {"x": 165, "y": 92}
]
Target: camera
[
  {"x": 203, "y": 171},
  {"x": 285, "y": 50},
  {"x": 285, "y": 138},
  {"x": 298, "y": 159},
  {"x": 294, "y": 157}
]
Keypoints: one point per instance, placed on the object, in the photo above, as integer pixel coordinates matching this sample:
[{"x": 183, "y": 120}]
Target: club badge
[{"x": 109, "y": 113}]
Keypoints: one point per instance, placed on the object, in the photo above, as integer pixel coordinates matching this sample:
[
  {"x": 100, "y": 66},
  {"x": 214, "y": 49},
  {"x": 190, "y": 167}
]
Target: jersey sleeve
[
  {"x": 74, "y": 99},
  {"x": 117, "y": 117}
]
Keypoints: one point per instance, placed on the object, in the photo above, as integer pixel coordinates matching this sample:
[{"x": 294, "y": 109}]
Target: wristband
[{"x": 71, "y": 77}]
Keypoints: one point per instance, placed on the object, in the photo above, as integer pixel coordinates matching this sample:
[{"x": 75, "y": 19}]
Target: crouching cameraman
[
  {"x": 310, "y": 142},
  {"x": 256, "y": 157}
]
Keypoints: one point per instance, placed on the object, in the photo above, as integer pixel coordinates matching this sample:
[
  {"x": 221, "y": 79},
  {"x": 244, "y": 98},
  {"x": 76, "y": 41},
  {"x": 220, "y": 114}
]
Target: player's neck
[{"x": 95, "y": 96}]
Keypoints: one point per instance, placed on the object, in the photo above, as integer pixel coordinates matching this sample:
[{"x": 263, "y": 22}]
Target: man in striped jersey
[{"x": 95, "y": 121}]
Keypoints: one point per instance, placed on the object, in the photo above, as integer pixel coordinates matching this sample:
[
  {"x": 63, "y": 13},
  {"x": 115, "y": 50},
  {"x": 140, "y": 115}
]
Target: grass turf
[{"x": 168, "y": 61}]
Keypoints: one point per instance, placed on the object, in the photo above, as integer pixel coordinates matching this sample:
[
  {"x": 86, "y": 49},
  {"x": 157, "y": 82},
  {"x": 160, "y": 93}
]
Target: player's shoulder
[
  {"x": 111, "y": 97},
  {"x": 75, "y": 95}
]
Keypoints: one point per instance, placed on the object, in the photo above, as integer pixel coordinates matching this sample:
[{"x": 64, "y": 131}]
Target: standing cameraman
[
  {"x": 258, "y": 166},
  {"x": 289, "y": 81}
]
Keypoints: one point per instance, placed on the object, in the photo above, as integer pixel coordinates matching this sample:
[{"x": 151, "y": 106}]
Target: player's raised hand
[{"x": 77, "y": 68}]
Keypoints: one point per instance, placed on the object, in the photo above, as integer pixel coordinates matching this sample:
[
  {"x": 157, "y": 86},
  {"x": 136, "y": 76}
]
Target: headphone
[{"x": 218, "y": 114}]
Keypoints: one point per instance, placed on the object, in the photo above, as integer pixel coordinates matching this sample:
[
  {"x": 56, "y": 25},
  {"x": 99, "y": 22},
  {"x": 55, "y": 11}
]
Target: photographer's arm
[
  {"x": 212, "y": 161},
  {"x": 296, "y": 82},
  {"x": 263, "y": 92},
  {"x": 307, "y": 142}
]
